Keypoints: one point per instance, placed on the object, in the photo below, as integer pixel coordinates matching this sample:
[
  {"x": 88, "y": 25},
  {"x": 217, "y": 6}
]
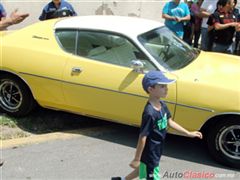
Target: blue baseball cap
[{"x": 155, "y": 77}]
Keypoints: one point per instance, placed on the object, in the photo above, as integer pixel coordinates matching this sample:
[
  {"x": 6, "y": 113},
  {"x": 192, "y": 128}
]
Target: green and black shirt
[{"x": 154, "y": 124}]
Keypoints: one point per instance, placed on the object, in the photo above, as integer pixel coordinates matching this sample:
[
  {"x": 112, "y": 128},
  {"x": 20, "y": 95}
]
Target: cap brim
[{"x": 169, "y": 81}]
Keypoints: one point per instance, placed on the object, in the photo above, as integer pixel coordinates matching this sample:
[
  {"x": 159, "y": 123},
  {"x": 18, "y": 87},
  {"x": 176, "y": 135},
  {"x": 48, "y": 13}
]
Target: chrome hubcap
[
  {"x": 229, "y": 142},
  {"x": 10, "y": 96}
]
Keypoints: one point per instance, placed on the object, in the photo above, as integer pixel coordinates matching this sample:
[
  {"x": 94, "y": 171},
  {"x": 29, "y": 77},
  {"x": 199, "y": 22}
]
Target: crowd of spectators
[
  {"x": 54, "y": 9},
  {"x": 216, "y": 21}
]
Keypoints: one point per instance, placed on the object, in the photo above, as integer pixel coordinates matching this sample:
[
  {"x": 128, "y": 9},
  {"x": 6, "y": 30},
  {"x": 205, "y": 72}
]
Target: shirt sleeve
[
  {"x": 43, "y": 16},
  {"x": 210, "y": 8},
  {"x": 165, "y": 8},
  {"x": 186, "y": 10},
  {"x": 210, "y": 20},
  {"x": 73, "y": 11},
  {"x": 215, "y": 18},
  {"x": 147, "y": 124}
]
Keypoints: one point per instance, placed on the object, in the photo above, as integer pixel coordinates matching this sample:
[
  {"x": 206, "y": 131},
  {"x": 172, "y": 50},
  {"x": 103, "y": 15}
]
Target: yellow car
[{"x": 94, "y": 65}]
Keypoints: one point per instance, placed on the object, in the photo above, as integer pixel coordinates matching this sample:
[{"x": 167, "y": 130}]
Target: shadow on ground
[{"x": 43, "y": 121}]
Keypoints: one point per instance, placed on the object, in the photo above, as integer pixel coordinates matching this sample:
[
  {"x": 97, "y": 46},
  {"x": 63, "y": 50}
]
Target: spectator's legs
[
  {"x": 196, "y": 38},
  {"x": 222, "y": 48},
  {"x": 204, "y": 40},
  {"x": 187, "y": 34},
  {"x": 236, "y": 49}
]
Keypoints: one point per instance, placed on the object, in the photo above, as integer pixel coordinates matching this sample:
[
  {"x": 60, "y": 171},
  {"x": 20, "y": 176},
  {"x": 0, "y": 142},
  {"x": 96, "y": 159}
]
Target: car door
[{"x": 98, "y": 79}]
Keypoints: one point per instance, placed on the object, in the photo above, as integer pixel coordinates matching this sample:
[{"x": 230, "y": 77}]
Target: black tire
[
  {"x": 224, "y": 141},
  {"x": 15, "y": 97}
]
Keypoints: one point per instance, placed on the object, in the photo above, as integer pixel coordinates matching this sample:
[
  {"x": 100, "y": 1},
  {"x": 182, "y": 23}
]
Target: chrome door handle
[{"x": 76, "y": 70}]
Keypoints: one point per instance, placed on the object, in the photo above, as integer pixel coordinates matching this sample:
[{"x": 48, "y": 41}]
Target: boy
[{"x": 155, "y": 119}]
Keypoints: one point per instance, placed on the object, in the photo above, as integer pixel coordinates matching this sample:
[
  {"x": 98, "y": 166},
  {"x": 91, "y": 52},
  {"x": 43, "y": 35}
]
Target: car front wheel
[
  {"x": 15, "y": 97},
  {"x": 224, "y": 142}
]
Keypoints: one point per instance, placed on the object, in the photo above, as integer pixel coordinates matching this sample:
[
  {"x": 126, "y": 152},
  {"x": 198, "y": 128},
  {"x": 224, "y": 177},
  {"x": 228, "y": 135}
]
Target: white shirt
[{"x": 209, "y": 6}]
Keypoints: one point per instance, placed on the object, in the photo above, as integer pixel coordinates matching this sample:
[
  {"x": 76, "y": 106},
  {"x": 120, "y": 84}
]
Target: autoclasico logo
[{"x": 195, "y": 175}]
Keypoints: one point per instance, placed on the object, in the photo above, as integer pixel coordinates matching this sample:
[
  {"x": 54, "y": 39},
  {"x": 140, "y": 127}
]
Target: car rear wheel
[
  {"x": 15, "y": 97},
  {"x": 224, "y": 142}
]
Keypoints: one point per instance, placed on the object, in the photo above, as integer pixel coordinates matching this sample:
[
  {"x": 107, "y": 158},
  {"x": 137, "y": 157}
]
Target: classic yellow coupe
[{"x": 94, "y": 66}]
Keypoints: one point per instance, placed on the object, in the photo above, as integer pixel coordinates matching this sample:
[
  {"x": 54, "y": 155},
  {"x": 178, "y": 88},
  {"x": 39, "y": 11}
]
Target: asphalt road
[{"x": 101, "y": 150}]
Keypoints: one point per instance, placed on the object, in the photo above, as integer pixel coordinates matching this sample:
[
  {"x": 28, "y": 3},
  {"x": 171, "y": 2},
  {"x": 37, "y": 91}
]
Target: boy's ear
[{"x": 149, "y": 89}]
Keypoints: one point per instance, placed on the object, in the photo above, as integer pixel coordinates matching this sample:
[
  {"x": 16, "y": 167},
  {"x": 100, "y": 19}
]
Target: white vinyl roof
[{"x": 130, "y": 26}]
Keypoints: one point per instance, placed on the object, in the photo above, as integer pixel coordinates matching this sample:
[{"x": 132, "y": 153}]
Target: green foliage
[{"x": 7, "y": 121}]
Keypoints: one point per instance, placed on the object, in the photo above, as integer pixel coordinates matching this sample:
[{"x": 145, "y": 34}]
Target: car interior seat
[{"x": 114, "y": 50}]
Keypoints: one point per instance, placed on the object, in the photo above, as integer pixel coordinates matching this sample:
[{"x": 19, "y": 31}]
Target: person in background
[
  {"x": 211, "y": 29},
  {"x": 14, "y": 18},
  {"x": 195, "y": 8},
  {"x": 225, "y": 25},
  {"x": 188, "y": 26},
  {"x": 3, "y": 13},
  {"x": 175, "y": 14},
  {"x": 208, "y": 8},
  {"x": 237, "y": 37},
  {"x": 56, "y": 9}
]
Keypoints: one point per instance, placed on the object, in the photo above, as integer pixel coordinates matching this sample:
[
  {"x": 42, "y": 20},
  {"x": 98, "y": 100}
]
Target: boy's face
[{"x": 158, "y": 91}]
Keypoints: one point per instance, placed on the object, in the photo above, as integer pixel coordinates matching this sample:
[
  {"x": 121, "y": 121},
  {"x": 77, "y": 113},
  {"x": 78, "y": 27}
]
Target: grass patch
[
  {"x": 42, "y": 121},
  {"x": 8, "y": 121}
]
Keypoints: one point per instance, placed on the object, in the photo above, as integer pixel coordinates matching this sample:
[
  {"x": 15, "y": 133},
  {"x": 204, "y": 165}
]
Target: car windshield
[{"x": 169, "y": 50}]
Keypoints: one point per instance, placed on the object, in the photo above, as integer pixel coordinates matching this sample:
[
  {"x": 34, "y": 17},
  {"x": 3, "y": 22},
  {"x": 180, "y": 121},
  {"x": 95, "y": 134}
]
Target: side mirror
[{"x": 137, "y": 65}]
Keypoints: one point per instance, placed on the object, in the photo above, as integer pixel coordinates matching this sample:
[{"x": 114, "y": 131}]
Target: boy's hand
[
  {"x": 194, "y": 134},
  {"x": 134, "y": 164}
]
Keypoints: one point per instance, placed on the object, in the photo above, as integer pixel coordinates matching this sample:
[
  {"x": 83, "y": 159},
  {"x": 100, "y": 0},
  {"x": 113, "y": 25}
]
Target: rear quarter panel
[{"x": 33, "y": 54}]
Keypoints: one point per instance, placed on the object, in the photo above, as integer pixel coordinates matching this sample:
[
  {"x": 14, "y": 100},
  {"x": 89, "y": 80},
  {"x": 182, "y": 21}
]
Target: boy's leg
[
  {"x": 147, "y": 173},
  {"x": 134, "y": 174}
]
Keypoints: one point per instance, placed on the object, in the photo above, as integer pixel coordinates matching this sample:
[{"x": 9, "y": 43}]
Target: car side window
[
  {"x": 109, "y": 48},
  {"x": 67, "y": 39}
]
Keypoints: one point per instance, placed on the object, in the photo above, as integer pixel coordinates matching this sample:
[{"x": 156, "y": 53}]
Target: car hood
[
  {"x": 214, "y": 69},
  {"x": 211, "y": 82}
]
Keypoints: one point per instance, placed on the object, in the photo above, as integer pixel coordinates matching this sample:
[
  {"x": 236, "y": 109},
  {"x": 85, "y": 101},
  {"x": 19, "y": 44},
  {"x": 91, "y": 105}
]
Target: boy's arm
[
  {"x": 179, "y": 128},
  {"x": 140, "y": 146}
]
